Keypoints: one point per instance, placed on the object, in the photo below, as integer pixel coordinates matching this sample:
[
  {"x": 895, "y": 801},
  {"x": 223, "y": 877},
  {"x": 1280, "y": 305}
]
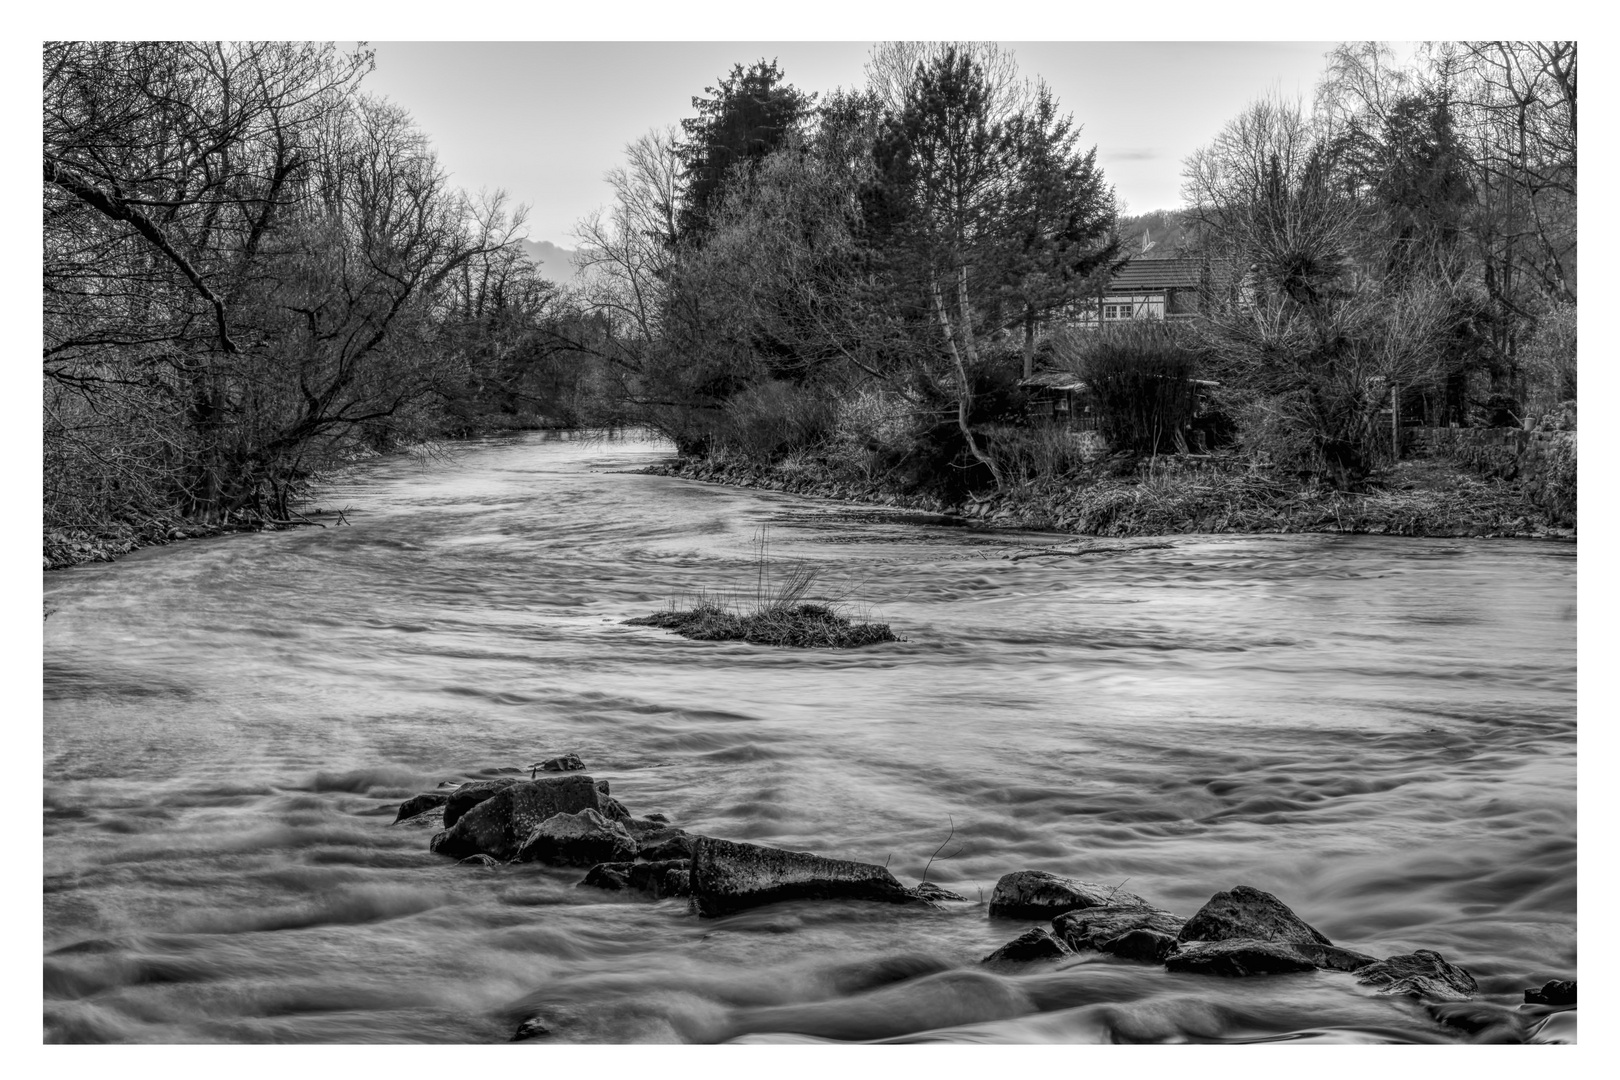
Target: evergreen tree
[{"x": 750, "y": 113}]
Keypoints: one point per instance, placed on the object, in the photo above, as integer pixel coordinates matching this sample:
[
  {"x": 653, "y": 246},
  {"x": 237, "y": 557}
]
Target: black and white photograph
[{"x": 724, "y": 541}]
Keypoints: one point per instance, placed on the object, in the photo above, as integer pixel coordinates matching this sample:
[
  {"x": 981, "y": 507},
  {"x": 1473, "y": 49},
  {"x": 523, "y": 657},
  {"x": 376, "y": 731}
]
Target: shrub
[
  {"x": 1140, "y": 377},
  {"x": 1039, "y": 450},
  {"x": 771, "y": 418}
]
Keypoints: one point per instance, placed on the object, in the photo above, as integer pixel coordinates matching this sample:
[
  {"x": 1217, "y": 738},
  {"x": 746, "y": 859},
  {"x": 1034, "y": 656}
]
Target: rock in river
[
  {"x": 1036, "y": 943},
  {"x": 1421, "y": 974},
  {"x": 1251, "y": 914},
  {"x": 729, "y": 876},
  {"x": 469, "y": 795},
  {"x": 1035, "y": 894},
  {"x": 581, "y": 839},
  {"x": 421, "y": 804},
  {"x": 1236, "y": 957},
  {"x": 564, "y": 763},
  {"x": 499, "y": 825},
  {"x": 927, "y": 890},
  {"x": 669, "y": 877},
  {"x": 1137, "y": 932},
  {"x": 665, "y": 842},
  {"x": 1556, "y": 992}
]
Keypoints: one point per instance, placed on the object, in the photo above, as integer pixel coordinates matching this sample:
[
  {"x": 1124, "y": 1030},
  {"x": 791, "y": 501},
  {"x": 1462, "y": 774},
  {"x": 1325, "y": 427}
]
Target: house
[{"x": 1150, "y": 289}]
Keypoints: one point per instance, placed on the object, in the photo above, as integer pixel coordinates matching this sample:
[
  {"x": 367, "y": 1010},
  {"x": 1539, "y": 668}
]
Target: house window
[{"x": 1116, "y": 311}]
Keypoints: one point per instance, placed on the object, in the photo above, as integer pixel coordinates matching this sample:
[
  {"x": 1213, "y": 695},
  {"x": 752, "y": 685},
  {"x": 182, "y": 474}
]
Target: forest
[{"x": 254, "y": 271}]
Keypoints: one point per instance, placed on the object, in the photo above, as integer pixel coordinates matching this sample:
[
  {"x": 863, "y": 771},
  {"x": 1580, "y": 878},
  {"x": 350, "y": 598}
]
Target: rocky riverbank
[
  {"x": 1119, "y": 497},
  {"x": 569, "y": 819}
]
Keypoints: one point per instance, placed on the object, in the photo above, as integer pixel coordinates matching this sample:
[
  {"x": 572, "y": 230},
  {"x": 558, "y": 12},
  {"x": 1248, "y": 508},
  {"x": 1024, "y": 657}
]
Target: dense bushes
[{"x": 1141, "y": 381}]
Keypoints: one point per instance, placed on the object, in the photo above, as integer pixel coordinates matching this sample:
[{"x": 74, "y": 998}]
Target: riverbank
[{"x": 1118, "y": 497}]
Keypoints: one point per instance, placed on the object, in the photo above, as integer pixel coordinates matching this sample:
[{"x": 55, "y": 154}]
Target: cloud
[{"x": 1136, "y": 153}]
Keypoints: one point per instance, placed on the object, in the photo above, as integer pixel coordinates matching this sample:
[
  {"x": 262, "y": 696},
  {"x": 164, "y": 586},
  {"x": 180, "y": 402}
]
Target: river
[{"x": 1380, "y": 731}]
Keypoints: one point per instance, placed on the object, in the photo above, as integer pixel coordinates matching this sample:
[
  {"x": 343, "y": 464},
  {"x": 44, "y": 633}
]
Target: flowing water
[{"x": 1379, "y": 731}]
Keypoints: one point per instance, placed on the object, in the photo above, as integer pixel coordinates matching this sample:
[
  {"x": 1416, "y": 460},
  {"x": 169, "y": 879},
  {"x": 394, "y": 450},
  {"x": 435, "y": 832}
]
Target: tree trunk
[{"x": 964, "y": 385}]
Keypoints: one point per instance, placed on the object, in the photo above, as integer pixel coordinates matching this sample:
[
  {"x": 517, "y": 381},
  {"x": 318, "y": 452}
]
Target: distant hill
[
  {"x": 556, "y": 263},
  {"x": 1161, "y": 233}
]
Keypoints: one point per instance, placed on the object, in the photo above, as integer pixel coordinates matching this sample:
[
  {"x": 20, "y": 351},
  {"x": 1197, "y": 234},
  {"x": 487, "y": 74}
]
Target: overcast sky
[{"x": 546, "y": 120}]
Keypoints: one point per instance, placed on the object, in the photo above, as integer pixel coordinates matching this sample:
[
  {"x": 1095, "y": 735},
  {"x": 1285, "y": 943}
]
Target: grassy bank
[{"x": 1166, "y": 496}]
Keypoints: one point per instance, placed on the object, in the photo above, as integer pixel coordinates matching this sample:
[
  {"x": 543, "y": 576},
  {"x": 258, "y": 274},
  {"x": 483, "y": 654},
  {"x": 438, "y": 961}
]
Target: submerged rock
[
  {"x": 500, "y": 824},
  {"x": 1035, "y": 894},
  {"x": 477, "y": 860},
  {"x": 1421, "y": 974},
  {"x": 1238, "y": 957},
  {"x": 469, "y": 795},
  {"x": 1035, "y": 943},
  {"x": 728, "y": 876},
  {"x": 532, "y": 1028},
  {"x": 933, "y": 893},
  {"x": 1483, "y": 1021},
  {"x": 668, "y": 877},
  {"x": 564, "y": 763},
  {"x": 579, "y": 839},
  {"x": 421, "y": 804},
  {"x": 1555, "y": 992},
  {"x": 612, "y": 876},
  {"x": 1248, "y": 914}
]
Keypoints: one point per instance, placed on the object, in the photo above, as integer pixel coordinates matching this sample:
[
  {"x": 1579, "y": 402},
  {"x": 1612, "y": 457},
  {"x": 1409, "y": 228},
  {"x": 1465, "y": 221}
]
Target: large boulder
[
  {"x": 470, "y": 794},
  {"x": 421, "y": 804},
  {"x": 581, "y": 839},
  {"x": 1036, "y": 943},
  {"x": 728, "y": 876},
  {"x": 1035, "y": 894},
  {"x": 1421, "y": 974},
  {"x": 1248, "y": 914},
  {"x": 500, "y": 824},
  {"x": 1135, "y": 932},
  {"x": 1237, "y": 957}
]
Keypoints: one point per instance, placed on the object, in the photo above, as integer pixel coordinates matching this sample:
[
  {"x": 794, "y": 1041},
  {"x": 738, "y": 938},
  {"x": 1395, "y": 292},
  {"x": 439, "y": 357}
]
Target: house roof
[
  {"x": 1054, "y": 380},
  {"x": 1144, "y": 274}
]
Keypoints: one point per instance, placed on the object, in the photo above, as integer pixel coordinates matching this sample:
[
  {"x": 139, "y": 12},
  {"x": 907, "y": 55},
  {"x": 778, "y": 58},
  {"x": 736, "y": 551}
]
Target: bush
[
  {"x": 772, "y": 418},
  {"x": 1140, "y": 376},
  {"x": 1039, "y": 450}
]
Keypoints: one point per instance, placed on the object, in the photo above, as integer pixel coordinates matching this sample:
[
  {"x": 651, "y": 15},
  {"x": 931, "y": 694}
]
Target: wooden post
[{"x": 1395, "y": 419}]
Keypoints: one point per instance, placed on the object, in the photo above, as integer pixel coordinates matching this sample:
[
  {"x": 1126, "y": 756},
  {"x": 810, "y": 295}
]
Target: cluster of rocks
[
  {"x": 570, "y": 819},
  {"x": 1237, "y": 933}
]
